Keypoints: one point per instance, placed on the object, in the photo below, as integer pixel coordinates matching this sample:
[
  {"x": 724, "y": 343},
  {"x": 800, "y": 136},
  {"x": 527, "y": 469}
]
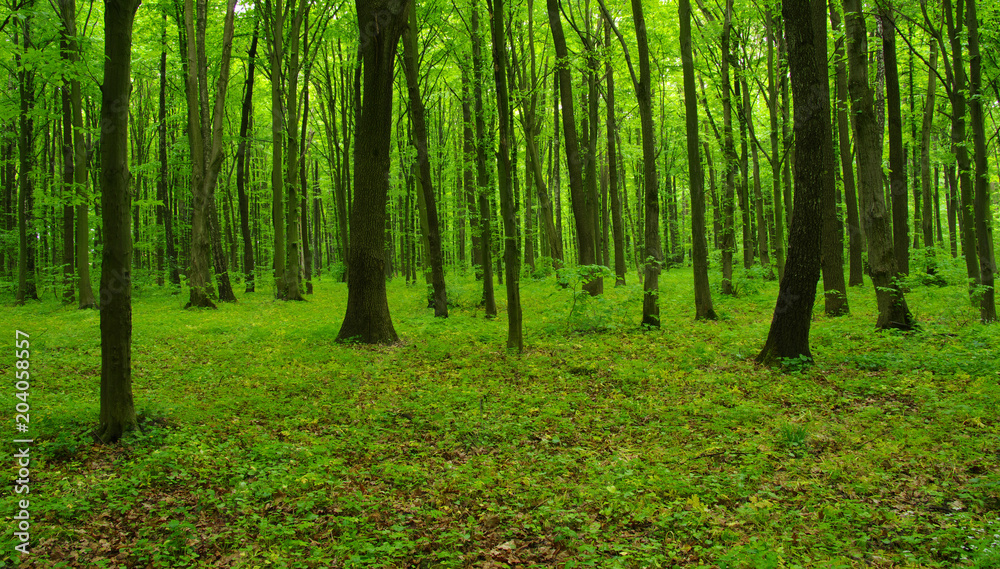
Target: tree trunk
[
  {"x": 982, "y": 210},
  {"x": 699, "y": 248},
  {"x": 469, "y": 175},
  {"x": 276, "y": 57},
  {"x": 805, "y": 29},
  {"x": 832, "y": 258},
  {"x": 426, "y": 186},
  {"x": 512, "y": 262},
  {"x": 929, "y": 200},
  {"x": 762, "y": 238},
  {"x": 117, "y": 414},
  {"x": 897, "y": 155},
  {"x": 729, "y": 153},
  {"x": 367, "y": 319},
  {"x": 26, "y": 288},
  {"x": 243, "y": 166},
  {"x": 290, "y": 285},
  {"x": 616, "y": 202},
  {"x": 855, "y": 235},
  {"x": 586, "y": 238},
  {"x": 777, "y": 212},
  {"x": 482, "y": 176},
  {"x": 893, "y": 312}
]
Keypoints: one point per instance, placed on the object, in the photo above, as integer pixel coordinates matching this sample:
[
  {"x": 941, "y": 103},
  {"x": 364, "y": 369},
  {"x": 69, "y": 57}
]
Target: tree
[
  {"x": 381, "y": 22},
  {"x": 117, "y": 413},
  {"x": 512, "y": 257},
  {"x": 242, "y": 165},
  {"x": 893, "y": 312},
  {"x": 805, "y": 29},
  {"x": 26, "y": 288},
  {"x": 582, "y": 215},
  {"x": 982, "y": 210},
  {"x": 426, "y": 185},
  {"x": 897, "y": 156},
  {"x": 205, "y": 142},
  {"x": 699, "y": 248},
  {"x": 80, "y": 158}
]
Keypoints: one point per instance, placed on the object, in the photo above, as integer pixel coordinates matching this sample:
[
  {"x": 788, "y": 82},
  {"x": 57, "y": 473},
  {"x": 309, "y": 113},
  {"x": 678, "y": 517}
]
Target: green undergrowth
[{"x": 263, "y": 443}]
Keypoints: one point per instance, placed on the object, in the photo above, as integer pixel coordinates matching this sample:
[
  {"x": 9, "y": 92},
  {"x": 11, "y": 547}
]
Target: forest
[{"x": 575, "y": 283}]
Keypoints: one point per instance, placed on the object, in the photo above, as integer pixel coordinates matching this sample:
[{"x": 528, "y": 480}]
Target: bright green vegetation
[{"x": 265, "y": 444}]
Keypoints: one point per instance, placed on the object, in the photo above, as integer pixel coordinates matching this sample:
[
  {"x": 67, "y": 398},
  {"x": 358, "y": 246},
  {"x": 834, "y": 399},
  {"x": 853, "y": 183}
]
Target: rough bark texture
[
  {"x": 893, "y": 312},
  {"x": 728, "y": 241},
  {"x": 426, "y": 185},
  {"x": 367, "y": 318},
  {"x": 805, "y": 28},
  {"x": 117, "y": 414},
  {"x": 699, "y": 248},
  {"x": 832, "y": 260}
]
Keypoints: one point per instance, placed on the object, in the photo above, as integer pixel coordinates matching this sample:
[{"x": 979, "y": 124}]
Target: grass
[{"x": 266, "y": 444}]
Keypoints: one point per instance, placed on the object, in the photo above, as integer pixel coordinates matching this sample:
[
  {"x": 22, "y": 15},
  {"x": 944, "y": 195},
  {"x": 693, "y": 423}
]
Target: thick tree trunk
[
  {"x": 983, "y": 212},
  {"x": 586, "y": 238},
  {"x": 893, "y": 312},
  {"x": 805, "y": 27},
  {"x": 290, "y": 286},
  {"x": 426, "y": 185},
  {"x": 367, "y": 319},
  {"x": 117, "y": 414},
  {"x": 699, "y": 248}
]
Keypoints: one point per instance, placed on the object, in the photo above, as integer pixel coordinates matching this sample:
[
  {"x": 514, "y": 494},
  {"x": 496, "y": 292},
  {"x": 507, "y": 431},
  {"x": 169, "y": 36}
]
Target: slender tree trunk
[
  {"x": 982, "y": 210},
  {"x": 164, "y": 211},
  {"x": 243, "y": 166},
  {"x": 855, "y": 235},
  {"x": 929, "y": 200},
  {"x": 762, "y": 238},
  {"x": 117, "y": 413},
  {"x": 897, "y": 155},
  {"x": 699, "y": 248},
  {"x": 616, "y": 202},
  {"x": 832, "y": 258},
  {"x": 777, "y": 219},
  {"x": 426, "y": 185},
  {"x": 893, "y": 312},
  {"x": 469, "y": 175},
  {"x": 27, "y": 248},
  {"x": 512, "y": 262},
  {"x": 276, "y": 56},
  {"x": 367, "y": 319},
  {"x": 586, "y": 239},
  {"x": 951, "y": 187},
  {"x": 729, "y": 153},
  {"x": 482, "y": 176}
]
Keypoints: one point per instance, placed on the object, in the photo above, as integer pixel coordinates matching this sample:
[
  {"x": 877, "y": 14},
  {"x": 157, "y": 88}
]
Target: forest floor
[{"x": 266, "y": 444}]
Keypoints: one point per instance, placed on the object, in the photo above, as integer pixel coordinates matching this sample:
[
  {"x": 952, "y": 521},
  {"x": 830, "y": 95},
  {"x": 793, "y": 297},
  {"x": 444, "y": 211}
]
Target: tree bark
[
  {"x": 26, "y": 287},
  {"x": 893, "y": 312},
  {"x": 699, "y": 248},
  {"x": 426, "y": 186},
  {"x": 586, "y": 238},
  {"x": 512, "y": 261},
  {"x": 614, "y": 189},
  {"x": 805, "y": 29},
  {"x": 117, "y": 413},
  {"x": 381, "y": 22},
  {"x": 982, "y": 210},
  {"x": 897, "y": 154},
  {"x": 482, "y": 176},
  {"x": 928, "y": 201},
  {"x": 243, "y": 166}
]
